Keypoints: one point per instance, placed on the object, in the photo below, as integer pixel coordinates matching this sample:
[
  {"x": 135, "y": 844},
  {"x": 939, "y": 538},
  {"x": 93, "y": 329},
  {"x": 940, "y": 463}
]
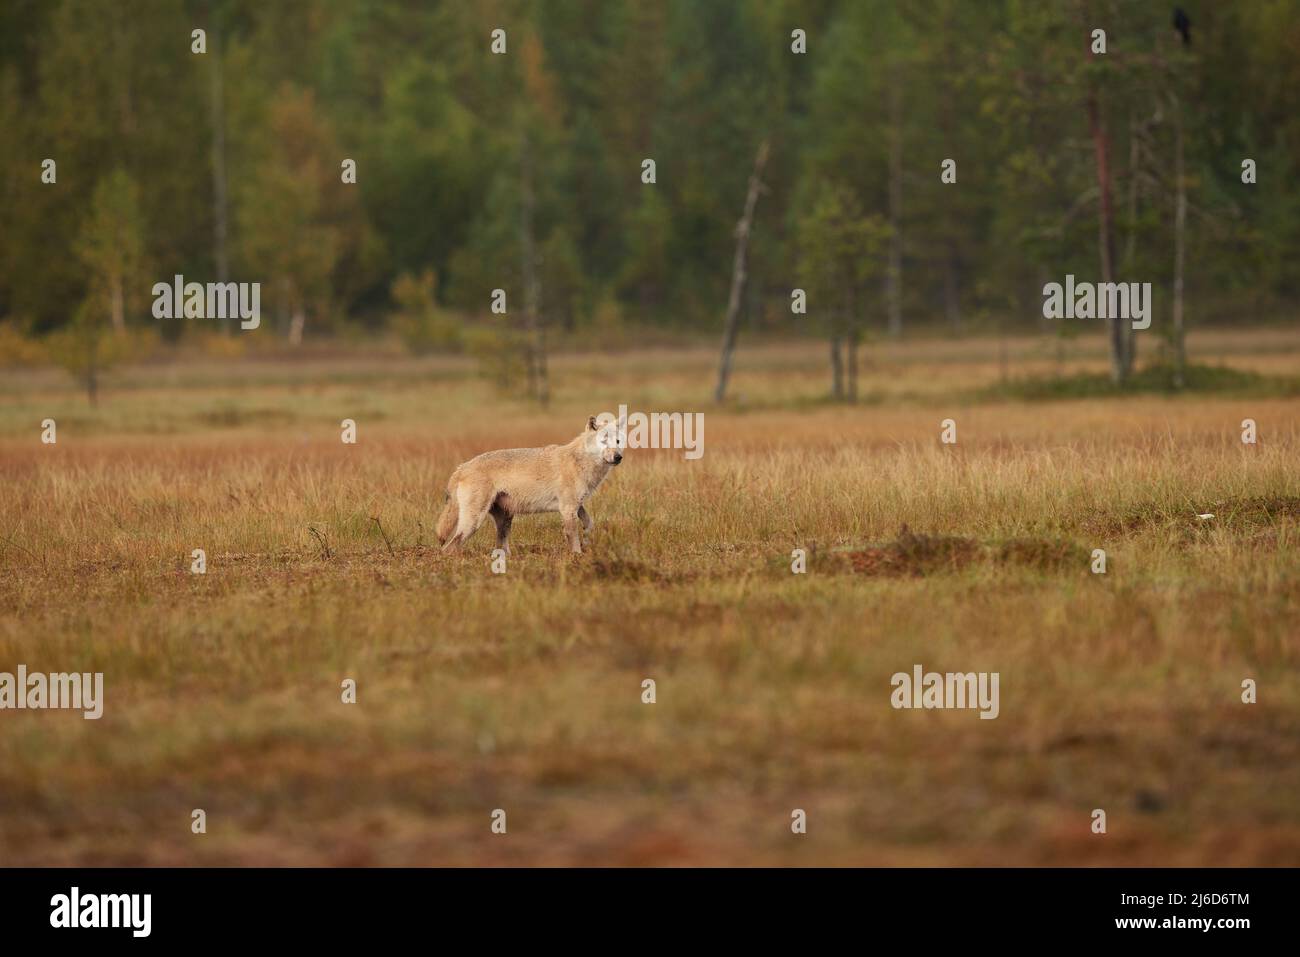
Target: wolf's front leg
[
  {"x": 587, "y": 523},
  {"x": 571, "y": 531}
]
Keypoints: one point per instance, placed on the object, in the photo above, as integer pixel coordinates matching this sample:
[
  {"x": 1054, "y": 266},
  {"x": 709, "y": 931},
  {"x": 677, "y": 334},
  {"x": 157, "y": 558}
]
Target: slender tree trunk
[
  {"x": 283, "y": 306},
  {"x": 953, "y": 216},
  {"x": 1130, "y": 242},
  {"x": 117, "y": 309},
  {"x": 952, "y": 287},
  {"x": 739, "y": 263},
  {"x": 536, "y": 350},
  {"x": 894, "y": 275},
  {"x": 853, "y": 364},
  {"x": 1106, "y": 227},
  {"x": 1134, "y": 158},
  {"x": 92, "y": 370},
  {"x": 1003, "y": 357},
  {"x": 1040, "y": 280},
  {"x": 543, "y": 373},
  {"x": 1180, "y": 246},
  {"x": 837, "y": 368},
  {"x": 217, "y": 118},
  {"x": 297, "y": 323},
  {"x": 126, "y": 102}
]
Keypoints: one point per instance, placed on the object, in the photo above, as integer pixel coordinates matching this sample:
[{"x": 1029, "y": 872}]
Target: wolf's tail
[{"x": 447, "y": 520}]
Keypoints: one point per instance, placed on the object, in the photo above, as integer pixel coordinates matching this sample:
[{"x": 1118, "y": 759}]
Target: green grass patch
[{"x": 1155, "y": 379}]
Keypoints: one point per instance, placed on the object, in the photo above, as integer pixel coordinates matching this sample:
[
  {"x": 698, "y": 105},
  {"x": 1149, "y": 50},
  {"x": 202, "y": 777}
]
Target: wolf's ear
[{"x": 591, "y": 424}]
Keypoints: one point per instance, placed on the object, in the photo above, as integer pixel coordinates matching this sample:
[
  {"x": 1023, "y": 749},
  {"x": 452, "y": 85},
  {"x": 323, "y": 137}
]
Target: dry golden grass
[{"x": 522, "y": 691}]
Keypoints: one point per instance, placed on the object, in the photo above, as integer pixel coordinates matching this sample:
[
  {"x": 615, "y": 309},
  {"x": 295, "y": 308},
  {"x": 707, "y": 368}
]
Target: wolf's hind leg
[
  {"x": 503, "y": 519},
  {"x": 447, "y": 520},
  {"x": 473, "y": 512}
]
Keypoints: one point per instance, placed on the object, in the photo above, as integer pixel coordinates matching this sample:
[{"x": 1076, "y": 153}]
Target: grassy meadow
[{"x": 522, "y": 691}]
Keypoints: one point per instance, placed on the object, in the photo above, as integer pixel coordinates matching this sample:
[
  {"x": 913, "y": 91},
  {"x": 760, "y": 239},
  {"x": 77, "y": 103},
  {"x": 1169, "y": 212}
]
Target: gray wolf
[{"x": 510, "y": 482}]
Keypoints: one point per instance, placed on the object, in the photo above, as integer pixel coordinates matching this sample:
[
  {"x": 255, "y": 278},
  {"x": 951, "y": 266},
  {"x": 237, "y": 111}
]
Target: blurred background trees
[
  {"x": 839, "y": 250},
  {"x": 522, "y": 171}
]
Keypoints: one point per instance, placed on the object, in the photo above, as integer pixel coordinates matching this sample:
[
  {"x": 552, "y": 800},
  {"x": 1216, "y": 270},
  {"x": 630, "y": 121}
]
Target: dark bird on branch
[{"x": 1183, "y": 25}]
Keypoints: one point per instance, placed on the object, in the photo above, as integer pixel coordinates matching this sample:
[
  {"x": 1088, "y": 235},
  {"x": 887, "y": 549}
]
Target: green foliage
[
  {"x": 87, "y": 347},
  {"x": 110, "y": 246},
  {"x": 17, "y": 348},
  {"x": 1155, "y": 378},
  {"x": 839, "y": 250},
  {"x": 647, "y": 269},
  {"x": 565, "y": 297},
  {"x": 422, "y": 325},
  {"x": 446, "y": 136},
  {"x": 500, "y": 350},
  {"x": 296, "y": 218}
]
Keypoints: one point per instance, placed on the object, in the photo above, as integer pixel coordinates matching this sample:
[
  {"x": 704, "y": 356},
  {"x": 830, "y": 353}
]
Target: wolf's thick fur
[{"x": 510, "y": 482}]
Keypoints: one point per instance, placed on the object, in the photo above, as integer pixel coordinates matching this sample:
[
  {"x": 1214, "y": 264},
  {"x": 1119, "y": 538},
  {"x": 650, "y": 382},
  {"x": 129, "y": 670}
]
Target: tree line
[{"x": 925, "y": 164}]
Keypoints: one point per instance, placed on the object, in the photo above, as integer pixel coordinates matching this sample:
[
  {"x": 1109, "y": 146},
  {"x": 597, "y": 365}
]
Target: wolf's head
[{"x": 603, "y": 438}]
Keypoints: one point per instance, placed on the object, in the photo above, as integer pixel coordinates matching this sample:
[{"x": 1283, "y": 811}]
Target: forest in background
[{"x": 523, "y": 171}]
